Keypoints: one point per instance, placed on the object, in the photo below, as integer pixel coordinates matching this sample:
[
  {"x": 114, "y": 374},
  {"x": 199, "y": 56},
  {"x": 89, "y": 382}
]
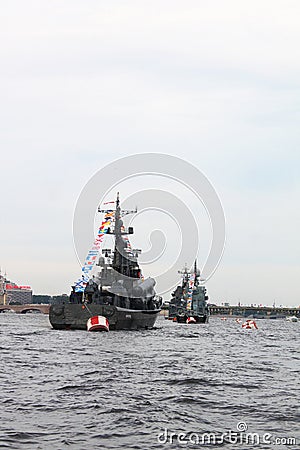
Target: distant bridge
[
  {"x": 23, "y": 309},
  {"x": 255, "y": 311}
]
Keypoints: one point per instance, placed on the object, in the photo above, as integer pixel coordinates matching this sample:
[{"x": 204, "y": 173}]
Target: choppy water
[{"x": 80, "y": 390}]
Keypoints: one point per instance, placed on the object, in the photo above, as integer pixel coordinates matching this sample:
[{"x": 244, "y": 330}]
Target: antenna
[{"x": 123, "y": 212}]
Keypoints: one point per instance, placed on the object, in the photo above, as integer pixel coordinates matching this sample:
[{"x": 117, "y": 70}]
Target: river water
[{"x": 162, "y": 388}]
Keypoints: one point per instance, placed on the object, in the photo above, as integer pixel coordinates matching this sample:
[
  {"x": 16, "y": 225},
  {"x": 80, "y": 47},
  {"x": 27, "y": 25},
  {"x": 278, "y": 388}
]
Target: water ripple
[{"x": 80, "y": 390}]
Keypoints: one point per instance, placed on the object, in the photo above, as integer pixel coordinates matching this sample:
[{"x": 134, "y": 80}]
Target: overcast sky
[{"x": 216, "y": 83}]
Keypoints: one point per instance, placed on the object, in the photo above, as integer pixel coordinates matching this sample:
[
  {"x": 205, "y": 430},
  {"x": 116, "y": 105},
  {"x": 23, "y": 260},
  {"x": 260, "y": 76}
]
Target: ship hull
[{"x": 70, "y": 316}]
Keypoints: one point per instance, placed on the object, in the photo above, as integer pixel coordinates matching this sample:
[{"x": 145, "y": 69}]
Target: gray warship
[
  {"x": 116, "y": 291},
  {"x": 189, "y": 300}
]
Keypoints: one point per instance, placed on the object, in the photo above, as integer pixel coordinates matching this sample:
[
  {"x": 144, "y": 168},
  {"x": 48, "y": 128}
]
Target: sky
[{"x": 217, "y": 83}]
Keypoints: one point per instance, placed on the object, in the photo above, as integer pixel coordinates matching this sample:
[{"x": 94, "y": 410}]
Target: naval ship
[
  {"x": 189, "y": 300},
  {"x": 117, "y": 290}
]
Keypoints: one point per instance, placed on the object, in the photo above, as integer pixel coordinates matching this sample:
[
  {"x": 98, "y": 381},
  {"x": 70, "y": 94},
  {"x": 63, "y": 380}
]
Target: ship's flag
[
  {"x": 190, "y": 292},
  {"x": 105, "y": 224},
  {"x": 80, "y": 285},
  {"x": 93, "y": 253}
]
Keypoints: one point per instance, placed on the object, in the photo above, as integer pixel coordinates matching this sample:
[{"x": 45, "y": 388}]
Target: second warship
[
  {"x": 189, "y": 300},
  {"x": 117, "y": 291}
]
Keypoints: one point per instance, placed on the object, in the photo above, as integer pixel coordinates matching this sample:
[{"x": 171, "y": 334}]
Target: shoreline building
[
  {"x": 12, "y": 294},
  {"x": 2, "y": 290}
]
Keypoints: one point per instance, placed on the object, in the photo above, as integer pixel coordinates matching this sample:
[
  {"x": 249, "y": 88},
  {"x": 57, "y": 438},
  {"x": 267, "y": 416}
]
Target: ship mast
[
  {"x": 119, "y": 243},
  {"x": 187, "y": 274},
  {"x": 196, "y": 273},
  {"x": 121, "y": 261}
]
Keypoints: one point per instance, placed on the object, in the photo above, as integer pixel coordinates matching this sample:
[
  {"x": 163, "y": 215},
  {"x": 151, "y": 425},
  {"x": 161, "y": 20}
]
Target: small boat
[
  {"x": 292, "y": 319},
  {"x": 250, "y": 325},
  {"x": 97, "y": 323}
]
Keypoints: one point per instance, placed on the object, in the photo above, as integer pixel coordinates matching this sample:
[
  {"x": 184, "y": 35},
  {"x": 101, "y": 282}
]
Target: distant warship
[
  {"x": 117, "y": 291},
  {"x": 189, "y": 301}
]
